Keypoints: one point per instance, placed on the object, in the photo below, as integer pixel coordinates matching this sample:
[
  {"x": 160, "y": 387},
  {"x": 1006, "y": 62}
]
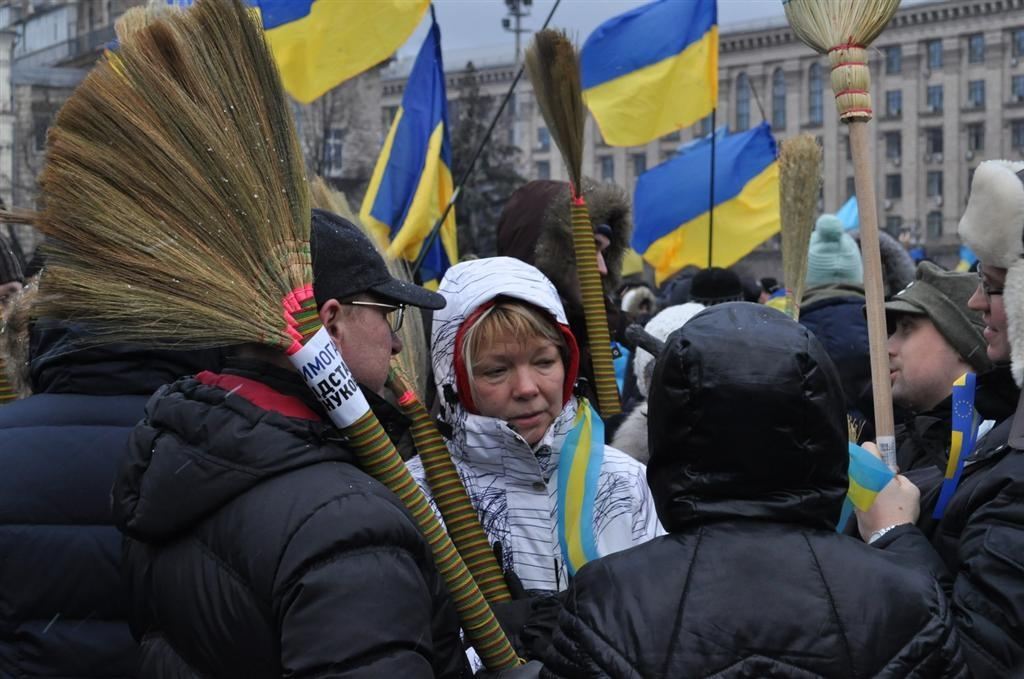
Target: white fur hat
[
  {"x": 666, "y": 322},
  {"x": 993, "y": 227}
]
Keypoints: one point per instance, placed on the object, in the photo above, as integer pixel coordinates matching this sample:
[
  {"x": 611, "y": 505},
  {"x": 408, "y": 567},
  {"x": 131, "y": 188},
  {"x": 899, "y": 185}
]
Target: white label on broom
[{"x": 330, "y": 379}]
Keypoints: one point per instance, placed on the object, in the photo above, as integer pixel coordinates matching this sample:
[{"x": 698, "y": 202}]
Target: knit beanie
[
  {"x": 834, "y": 257},
  {"x": 10, "y": 269},
  {"x": 715, "y": 285},
  {"x": 942, "y": 296}
]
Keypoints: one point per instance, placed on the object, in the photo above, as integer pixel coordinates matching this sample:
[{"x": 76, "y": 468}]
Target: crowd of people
[{"x": 195, "y": 513}]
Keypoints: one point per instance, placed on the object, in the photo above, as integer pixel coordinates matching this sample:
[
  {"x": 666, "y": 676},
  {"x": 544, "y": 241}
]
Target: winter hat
[
  {"x": 10, "y": 269},
  {"x": 942, "y": 296},
  {"x": 834, "y": 256},
  {"x": 715, "y": 285},
  {"x": 993, "y": 226},
  {"x": 661, "y": 326}
]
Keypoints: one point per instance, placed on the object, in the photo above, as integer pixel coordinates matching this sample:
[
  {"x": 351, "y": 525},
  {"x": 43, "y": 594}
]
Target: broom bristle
[
  {"x": 137, "y": 18},
  {"x": 799, "y": 184},
  {"x": 553, "y": 66},
  {"x": 826, "y": 24},
  {"x": 176, "y": 203}
]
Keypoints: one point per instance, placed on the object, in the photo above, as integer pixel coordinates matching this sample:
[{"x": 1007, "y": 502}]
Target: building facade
[{"x": 947, "y": 91}]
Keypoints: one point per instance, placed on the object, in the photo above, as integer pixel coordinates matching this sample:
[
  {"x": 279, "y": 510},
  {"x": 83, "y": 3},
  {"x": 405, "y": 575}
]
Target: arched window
[
  {"x": 814, "y": 84},
  {"x": 779, "y": 99},
  {"x": 742, "y": 102}
]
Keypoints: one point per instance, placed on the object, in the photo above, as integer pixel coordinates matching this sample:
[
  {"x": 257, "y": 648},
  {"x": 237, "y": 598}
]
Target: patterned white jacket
[{"x": 513, "y": 486}]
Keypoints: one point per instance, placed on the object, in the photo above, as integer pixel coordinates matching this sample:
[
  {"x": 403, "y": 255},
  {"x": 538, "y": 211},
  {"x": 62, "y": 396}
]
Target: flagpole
[
  {"x": 711, "y": 192},
  {"x": 428, "y": 242}
]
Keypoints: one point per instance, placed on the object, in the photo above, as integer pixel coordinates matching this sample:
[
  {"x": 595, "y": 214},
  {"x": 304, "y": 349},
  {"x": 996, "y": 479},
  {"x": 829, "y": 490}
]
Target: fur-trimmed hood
[
  {"x": 535, "y": 227},
  {"x": 993, "y": 227},
  {"x": 14, "y": 341},
  {"x": 898, "y": 268}
]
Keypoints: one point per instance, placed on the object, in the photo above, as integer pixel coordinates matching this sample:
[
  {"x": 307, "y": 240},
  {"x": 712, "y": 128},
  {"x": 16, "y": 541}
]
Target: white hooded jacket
[{"x": 513, "y": 486}]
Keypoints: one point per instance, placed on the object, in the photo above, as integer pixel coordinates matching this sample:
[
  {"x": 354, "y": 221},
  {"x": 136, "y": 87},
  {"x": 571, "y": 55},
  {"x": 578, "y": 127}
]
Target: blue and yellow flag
[
  {"x": 652, "y": 70},
  {"x": 412, "y": 181},
  {"x": 579, "y": 473},
  {"x": 868, "y": 476},
  {"x": 671, "y": 211},
  {"x": 319, "y": 44}
]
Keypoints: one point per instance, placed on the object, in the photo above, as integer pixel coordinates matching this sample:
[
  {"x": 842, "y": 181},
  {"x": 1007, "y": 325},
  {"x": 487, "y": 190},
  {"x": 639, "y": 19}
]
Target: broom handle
[
  {"x": 881, "y": 387},
  {"x": 460, "y": 517},
  {"x": 592, "y": 293}
]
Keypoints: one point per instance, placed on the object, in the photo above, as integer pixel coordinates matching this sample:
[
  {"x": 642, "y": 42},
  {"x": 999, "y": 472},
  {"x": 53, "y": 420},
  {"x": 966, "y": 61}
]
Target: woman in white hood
[{"x": 505, "y": 363}]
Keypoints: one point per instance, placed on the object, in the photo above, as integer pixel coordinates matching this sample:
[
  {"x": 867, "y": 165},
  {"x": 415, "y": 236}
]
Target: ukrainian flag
[
  {"x": 319, "y": 44},
  {"x": 868, "y": 476},
  {"x": 652, "y": 70},
  {"x": 670, "y": 204},
  {"x": 412, "y": 181}
]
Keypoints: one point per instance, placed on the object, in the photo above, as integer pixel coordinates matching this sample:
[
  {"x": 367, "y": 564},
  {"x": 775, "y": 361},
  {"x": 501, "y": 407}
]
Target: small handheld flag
[
  {"x": 963, "y": 437},
  {"x": 868, "y": 476}
]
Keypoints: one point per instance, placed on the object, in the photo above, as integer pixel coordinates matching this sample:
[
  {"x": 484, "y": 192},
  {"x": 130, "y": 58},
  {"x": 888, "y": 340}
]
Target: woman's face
[{"x": 520, "y": 382}]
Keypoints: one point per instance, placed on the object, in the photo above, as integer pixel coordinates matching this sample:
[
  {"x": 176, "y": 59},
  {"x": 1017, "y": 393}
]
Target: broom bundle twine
[
  {"x": 450, "y": 495},
  {"x": 851, "y": 82}
]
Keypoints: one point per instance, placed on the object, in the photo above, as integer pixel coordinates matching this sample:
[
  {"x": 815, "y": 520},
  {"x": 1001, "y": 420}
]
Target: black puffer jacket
[
  {"x": 258, "y": 549},
  {"x": 62, "y": 613},
  {"x": 753, "y": 580}
]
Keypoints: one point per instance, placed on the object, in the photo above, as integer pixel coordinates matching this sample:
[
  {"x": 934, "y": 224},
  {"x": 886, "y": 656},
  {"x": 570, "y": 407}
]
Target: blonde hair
[{"x": 509, "y": 318}]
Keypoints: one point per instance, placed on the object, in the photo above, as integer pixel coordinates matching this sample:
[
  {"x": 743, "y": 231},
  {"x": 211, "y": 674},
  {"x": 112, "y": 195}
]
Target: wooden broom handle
[{"x": 874, "y": 292}]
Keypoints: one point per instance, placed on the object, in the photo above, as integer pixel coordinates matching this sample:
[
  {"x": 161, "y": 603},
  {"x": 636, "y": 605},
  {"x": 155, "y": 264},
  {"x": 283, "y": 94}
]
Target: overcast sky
[{"x": 477, "y": 23}]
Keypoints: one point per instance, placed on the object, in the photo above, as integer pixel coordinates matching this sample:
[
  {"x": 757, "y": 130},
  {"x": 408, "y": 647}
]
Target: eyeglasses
[
  {"x": 986, "y": 287},
  {"x": 394, "y": 314}
]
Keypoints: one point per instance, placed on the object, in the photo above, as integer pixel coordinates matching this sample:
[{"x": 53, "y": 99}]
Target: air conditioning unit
[
  {"x": 896, "y": 161},
  {"x": 1017, "y": 98},
  {"x": 938, "y": 201},
  {"x": 888, "y": 204},
  {"x": 1014, "y": 61},
  {"x": 970, "y": 155},
  {"x": 938, "y": 157}
]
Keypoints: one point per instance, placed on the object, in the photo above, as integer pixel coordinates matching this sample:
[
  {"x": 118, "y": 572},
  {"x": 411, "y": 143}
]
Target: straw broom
[
  {"x": 554, "y": 70},
  {"x": 179, "y": 212},
  {"x": 450, "y": 495},
  {"x": 843, "y": 29},
  {"x": 799, "y": 182}
]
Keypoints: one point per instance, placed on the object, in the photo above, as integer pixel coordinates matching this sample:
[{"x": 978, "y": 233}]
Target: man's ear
[{"x": 330, "y": 316}]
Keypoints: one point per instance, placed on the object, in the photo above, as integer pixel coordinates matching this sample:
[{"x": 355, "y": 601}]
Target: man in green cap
[{"x": 934, "y": 339}]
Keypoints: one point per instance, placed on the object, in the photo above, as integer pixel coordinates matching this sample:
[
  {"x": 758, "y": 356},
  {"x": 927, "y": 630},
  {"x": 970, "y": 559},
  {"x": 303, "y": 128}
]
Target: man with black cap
[
  {"x": 934, "y": 338},
  {"x": 256, "y": 546}
]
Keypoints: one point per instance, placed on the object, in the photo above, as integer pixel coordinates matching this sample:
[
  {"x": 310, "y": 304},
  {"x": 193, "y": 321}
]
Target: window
[
  {"x": 935, "y": 98},
  {"x": 543, "y": 169},
  {"x": 815, "y": 112},
  {"x": 543, "y": 139},
  {"x": 705, "y": 126},
  {"x": 894, "y": 103},
  {"x": 1018, "y": 42},
  {"x": 893, "y": 145},
  {"x": 742, "y": 102},
  {"x": 333, "y": 144},
  {"x": 894, "y": 224},
  {"x": 847, "y": 148},
  {"x": 893, "y": 186},
  {"x": 607, "y": 168},
  {"x": 391, "y": 111},
  {"x": 976, "y": 94},
  {"x": 1017, "y": 87},
  {"x": 976, "y": 49},
  {"x": 934, "y": 183},
  {"x": 934, "y": 53},
  {"x": 1017, "y": 134},
  {"x": 893, "y": 60},
  {"x": 779, "y": 99},
  {"x": 851, "y": 189},
  {"x": 39, "y": 127},
  {"x": 933, "y": 140},
  {"x": 970, "y": 179},
  {"x": 976, "y": 136},
  {"x": 934, "y": 224},
  {"x": 639, "y": 164},
  {"x": 674, "y": 136}
]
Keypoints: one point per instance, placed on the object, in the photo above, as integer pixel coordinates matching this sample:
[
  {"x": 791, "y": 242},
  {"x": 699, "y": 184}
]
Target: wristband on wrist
[{"x": 882, "y": 531}]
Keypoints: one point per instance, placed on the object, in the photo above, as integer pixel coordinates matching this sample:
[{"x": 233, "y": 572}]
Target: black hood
[
  {"x": 63, "y": 361},
  {"x": 747, "y": 419}
]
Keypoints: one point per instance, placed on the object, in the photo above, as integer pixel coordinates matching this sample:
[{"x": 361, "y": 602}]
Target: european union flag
[
  {"x": 671, "y": 211},
  {"x": 652, "y": 70},
  {"x": 412, "y": 181}
]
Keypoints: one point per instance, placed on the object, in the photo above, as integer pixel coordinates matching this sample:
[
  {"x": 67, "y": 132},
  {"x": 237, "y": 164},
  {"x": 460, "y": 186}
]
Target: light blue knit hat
[{"x": 834, "y": 256}]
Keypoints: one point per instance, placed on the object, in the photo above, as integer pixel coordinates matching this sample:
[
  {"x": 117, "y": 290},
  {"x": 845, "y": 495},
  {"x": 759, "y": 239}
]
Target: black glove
[{"x": 528, "y": 620}]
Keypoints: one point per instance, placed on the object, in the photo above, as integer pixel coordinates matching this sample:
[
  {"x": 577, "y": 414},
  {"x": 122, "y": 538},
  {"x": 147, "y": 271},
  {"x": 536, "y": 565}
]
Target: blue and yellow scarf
[{"x": 579, "y": 469}]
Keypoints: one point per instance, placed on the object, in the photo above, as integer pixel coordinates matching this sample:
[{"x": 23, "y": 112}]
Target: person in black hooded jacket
[
  {"x": 62, "y": 612},
  {"x": 256, "y": 547},
  {"x": 753, "y": 579}
]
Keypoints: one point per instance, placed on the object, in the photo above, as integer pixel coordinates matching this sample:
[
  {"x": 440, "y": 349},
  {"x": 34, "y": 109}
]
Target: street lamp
[{"x": 517, "y": 10}]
